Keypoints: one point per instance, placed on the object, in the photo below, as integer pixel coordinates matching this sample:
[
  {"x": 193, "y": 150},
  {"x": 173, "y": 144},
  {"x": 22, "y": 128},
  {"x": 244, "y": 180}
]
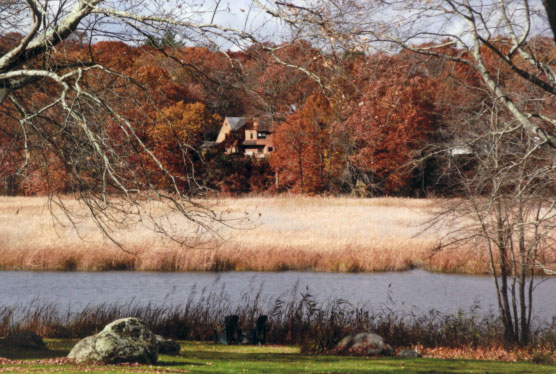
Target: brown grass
[
  {"x": 544, "y": 355},
  {"x": 280, "y": 233}
]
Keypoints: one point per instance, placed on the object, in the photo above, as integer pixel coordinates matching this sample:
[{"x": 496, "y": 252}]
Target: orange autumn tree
[
  {"x": 176, "y": 137},
  {"x": 278, "y": 86},
  {"x": 214, "y": 78},
  {"x": 302, "y": 145},
  {"x": 390, "y": 126}
]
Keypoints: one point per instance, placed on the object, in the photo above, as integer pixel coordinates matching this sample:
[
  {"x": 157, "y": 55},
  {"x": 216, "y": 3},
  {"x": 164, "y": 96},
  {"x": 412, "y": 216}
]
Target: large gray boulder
[
  {"x": 124, "y": 340},
  {"x": 364, "y": 344}
]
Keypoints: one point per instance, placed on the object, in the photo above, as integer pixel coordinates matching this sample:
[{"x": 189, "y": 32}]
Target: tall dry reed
[{"x": 269, "y": 234}]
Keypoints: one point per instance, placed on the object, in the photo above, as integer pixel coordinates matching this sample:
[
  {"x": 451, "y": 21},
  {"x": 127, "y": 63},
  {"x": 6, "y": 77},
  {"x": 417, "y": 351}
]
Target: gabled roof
[{"x": 237, "y": 123}]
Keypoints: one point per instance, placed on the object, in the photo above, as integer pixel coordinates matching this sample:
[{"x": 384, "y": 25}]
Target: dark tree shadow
[{"x": 18, "y": 353}]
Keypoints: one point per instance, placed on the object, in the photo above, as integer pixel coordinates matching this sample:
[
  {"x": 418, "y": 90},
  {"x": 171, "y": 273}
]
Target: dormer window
[
  {"x": 251, "y": 134},
  {"x": 261, "y": 135}
]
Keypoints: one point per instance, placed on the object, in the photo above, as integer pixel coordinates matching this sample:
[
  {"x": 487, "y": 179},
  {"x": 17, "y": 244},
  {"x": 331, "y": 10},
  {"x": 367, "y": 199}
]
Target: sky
[
  {"x": 236, "y": 14},
  {"x": 240, "y": 15},
  {"x": 245, "y": 15}
]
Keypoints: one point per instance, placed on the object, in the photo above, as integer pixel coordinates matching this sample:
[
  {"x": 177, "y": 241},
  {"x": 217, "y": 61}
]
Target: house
[{"x": 252, "y": 136}]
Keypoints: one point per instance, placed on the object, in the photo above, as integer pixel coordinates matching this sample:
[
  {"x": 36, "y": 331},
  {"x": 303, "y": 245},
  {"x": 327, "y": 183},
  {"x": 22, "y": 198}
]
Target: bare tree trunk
[
  {"x": 524, "y": 328},
  {"x": 503, "y": 263},
  {"x": 4, "y": 92},
  {"x": 550, "y": 7}
]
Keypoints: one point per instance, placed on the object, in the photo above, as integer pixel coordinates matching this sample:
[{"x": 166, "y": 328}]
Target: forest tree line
[{"x": 347, "y": 123}]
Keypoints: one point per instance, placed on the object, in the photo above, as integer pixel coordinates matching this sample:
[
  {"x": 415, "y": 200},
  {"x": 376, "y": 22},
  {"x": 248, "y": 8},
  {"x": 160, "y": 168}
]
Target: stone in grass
[
  {"x": 364, "y": 344},
  {"x": 167, "y": 346},
  {"x": 23, "y": 339},
  {"x": 124, "y": 340}
]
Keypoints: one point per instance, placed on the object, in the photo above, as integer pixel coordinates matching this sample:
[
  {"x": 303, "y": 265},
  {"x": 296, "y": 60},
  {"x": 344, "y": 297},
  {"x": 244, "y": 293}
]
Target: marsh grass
[{"x": 268, "y": 234}]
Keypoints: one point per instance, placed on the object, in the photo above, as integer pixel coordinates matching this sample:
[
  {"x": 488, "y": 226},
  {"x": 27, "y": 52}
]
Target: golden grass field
[{"x": 282, "y": 233}]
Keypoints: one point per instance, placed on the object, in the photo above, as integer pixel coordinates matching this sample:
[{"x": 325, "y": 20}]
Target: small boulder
[
  {"x": 124, "y": 340},
  {"x": 167, "y": 346},
  {"x": 23, "y": 339},
  {"x": 364, "y": 344},
  {"x": 409, "y": 353}
]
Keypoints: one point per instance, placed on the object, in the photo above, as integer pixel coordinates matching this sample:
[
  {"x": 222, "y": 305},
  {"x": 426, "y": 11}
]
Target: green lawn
[{"x": 208, "y": 358}]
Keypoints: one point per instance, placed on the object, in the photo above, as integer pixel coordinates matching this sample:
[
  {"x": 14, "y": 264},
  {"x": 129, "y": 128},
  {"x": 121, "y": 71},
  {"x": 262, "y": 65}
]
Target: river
[{"x": 414, "y": 291}]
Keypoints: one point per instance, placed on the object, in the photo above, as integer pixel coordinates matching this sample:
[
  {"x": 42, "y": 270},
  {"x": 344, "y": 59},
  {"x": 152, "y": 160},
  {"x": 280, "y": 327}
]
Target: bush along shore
[{"x": 301, "y": 321}]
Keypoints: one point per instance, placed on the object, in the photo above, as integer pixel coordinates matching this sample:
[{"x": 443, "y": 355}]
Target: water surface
[{"x": 413, "y": 291}]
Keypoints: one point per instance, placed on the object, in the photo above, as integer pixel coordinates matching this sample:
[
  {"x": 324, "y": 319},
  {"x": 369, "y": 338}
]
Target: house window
[
  {"x": 261, "y": 135},
  {"x": 251, "y": 134},
  {"x": 270, "y": 149},
  {"x": 260, "y": 150}
]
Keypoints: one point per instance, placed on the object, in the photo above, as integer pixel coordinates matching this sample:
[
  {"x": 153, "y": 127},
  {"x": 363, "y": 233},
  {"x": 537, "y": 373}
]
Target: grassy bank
[
  {"x": 208, "y": 358},
  {"x": 282, "y": 233}
]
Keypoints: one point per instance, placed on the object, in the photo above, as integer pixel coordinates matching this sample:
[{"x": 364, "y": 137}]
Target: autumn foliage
[
  {"x": 390, "y": 125},
  {"x": 177, "y": 134},
  {"x": 366, "y": 127},
  {"x": 303, "y": 145}
]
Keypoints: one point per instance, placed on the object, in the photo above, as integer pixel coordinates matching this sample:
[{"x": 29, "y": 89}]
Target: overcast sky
[{"x": 245, "y": 15}]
